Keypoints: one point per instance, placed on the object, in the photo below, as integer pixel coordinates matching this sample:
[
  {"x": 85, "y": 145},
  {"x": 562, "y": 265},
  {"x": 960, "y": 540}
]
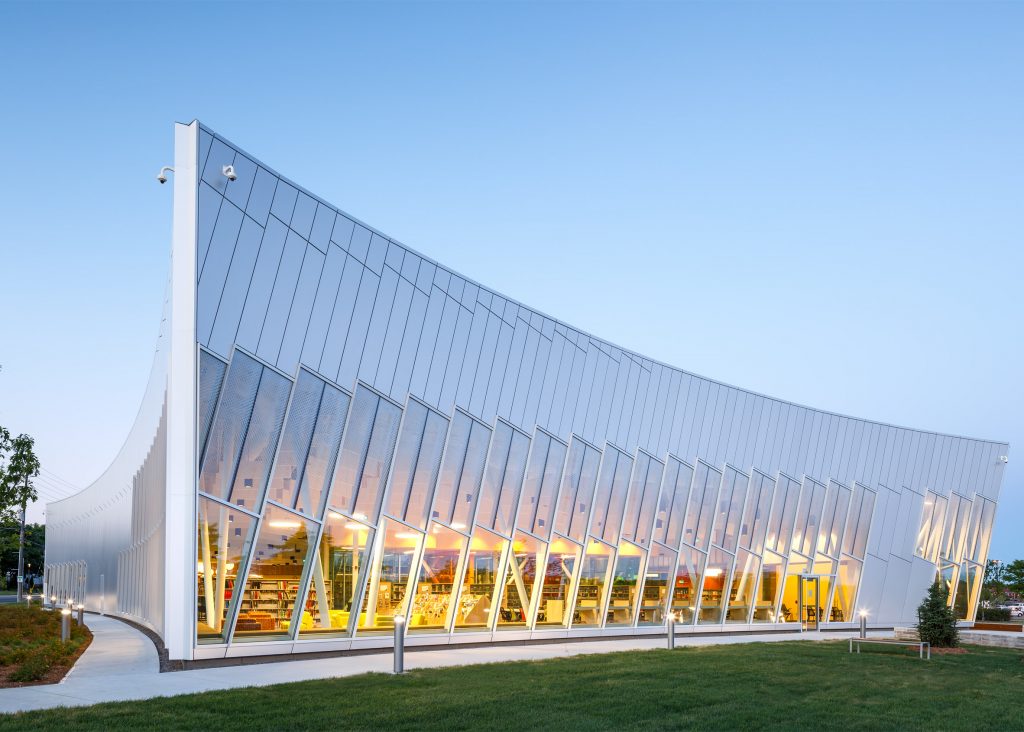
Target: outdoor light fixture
[
  {"x": 1004, "y": 458},
  {"x": 162, "y": 175},
  {"x": 229, "y": 172}
]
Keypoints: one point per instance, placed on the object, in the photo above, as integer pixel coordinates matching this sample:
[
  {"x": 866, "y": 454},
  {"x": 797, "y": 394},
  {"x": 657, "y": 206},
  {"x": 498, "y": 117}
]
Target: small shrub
[
  {"x": 936, "y": 621},
  {"x": 32, "y": 670}
]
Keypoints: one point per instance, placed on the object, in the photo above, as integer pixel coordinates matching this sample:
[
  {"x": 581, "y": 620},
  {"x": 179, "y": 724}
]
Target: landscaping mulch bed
[{"x": 30, "y": 649}]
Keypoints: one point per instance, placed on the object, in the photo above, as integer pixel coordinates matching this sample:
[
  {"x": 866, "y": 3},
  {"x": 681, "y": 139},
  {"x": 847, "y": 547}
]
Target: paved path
[{"x": 121, "y": 664}]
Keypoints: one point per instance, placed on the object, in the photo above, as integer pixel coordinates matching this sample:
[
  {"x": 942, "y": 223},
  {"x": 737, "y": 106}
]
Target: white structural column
[{"x": 180, "y": 536}]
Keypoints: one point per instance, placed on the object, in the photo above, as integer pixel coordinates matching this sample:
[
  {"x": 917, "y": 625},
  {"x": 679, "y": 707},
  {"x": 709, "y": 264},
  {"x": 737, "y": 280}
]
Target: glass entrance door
[{"x": 810, "y": 601}]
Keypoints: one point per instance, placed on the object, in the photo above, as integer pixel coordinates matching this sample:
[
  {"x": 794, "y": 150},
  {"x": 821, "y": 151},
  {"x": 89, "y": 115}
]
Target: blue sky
[{"x": 818, "y": 201}]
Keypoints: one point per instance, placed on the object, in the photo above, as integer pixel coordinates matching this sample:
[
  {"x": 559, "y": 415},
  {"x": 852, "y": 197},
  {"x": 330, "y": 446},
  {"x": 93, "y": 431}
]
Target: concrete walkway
[{"x": 121, "y": 665}]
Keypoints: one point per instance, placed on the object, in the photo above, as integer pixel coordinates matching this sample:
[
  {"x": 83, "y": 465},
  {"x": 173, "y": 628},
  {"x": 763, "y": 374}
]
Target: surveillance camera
[
  {"x": 1004, "y": 458},
  {"x": 229, "y": 172},
  {"x": 162, "y": 178},
  {"x": 162, "y": 175}
]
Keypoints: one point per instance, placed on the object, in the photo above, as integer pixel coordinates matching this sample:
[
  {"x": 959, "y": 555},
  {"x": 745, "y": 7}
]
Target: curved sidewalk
[{"x": 122, "y": 665}]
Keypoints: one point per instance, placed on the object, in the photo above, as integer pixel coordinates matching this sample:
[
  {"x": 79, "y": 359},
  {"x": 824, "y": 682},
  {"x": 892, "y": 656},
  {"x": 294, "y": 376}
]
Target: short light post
[
  {"x": 53, "y": 602},
  {"x": 670, "y": 630},
  {"x": 28, "y": 600},
  {"x": 81, "y": 614},
  {"x": 399, "y": 644},
  {"x": 65, "y": 625},
  {"x": 863, "y": 623}
]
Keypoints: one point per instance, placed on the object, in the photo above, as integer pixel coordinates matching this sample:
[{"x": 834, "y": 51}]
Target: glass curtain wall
[
  {"x": 592, "y": 590},
  {"x": 338, "y": 567},
  {"x": 475, "y": 608},
  {"x": 658, "y": 576},
  {"x": 431, "y": 606},
  {"x": 283, "y": 548},
  {"x": 387, "y": 587},
  {"x": 557, "y": 589},
  {"x": 689, "y": 574},
  {"x": 519, "y": 585},
  {"x": 622, "y": 603},
  {"x": 225, "y": 534}
]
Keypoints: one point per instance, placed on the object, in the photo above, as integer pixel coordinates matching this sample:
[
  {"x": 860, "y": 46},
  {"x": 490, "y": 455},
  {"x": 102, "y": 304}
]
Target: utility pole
[{"x": 21, "y": 548}]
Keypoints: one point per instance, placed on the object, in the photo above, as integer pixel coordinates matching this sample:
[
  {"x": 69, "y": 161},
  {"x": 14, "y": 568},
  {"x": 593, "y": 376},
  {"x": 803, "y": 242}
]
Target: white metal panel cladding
[{"x": 497, "y": 410}]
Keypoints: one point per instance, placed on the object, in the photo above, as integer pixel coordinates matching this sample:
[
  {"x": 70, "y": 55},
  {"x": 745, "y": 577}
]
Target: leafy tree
[
  {"x": 936, "y": 621},
  {"x": 17, "y": 491},
  {"x": 1013, "y": 575},
  {"x": 35, "y": 541},
  {"x": 993, "y": 590}
]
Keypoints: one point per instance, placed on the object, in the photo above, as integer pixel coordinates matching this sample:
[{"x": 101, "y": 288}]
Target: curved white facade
[{"x": 352, "y": 431}]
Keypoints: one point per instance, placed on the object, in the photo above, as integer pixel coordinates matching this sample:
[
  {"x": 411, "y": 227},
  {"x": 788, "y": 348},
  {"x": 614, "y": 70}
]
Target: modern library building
[{"x": 338, "y": 431}]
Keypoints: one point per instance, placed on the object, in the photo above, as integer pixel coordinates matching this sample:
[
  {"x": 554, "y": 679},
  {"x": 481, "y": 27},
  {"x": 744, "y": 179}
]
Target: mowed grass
[{"x": 784, "y": 686}]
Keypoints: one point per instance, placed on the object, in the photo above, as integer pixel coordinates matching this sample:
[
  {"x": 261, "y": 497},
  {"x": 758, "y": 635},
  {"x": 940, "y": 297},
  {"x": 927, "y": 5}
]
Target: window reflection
[
  {"x": 336, "y": 572},
  {"x": 280, "y": 555},
  {"x": 768, "y": 589},
  {"x": 590, "y": 595},
  {"x": 622, "y": 600},
  {"x": 556, "y": 592},
  {"x": 224, "y": 538},
  {"x": 520, "y": 583},
  {"x": 388, "y": 583},
  {"x": 712, "y": 602},
  {"x": 741, "y": 590},
  {"x": 480, "y": 578},
  {"x": 435, "y": 585},
  {"x": 657, "y": 580},
  {"x": 687, "y": 583},
  {"x": 846, "y": 590}
]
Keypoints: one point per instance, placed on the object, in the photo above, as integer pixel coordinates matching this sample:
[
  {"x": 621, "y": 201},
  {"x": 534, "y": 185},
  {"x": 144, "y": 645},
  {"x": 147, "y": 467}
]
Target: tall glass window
[
  {"x": 323, "y": 451},
  {"x": 668, "y": 527},
  {"x": 227, "y": 433},
  {"x": 337, "y": 569},
  {"x": 280, "y": 556},
  {"x": 576, "y": 497},
  {"x": 461, "y": 471},
  {"x": 557, "y": 590},
  {"x": 612, "y": 489},
  {"x": 843, "y": 608},
  {"x": 769, "y": 588},
  {"x": 520, "y": 582},
  {"x": 743, "y": 587},
  {"x": 366, "y": 452},
  {"x": 225, "y": 535},
  {"x": 623, "y": 595},
  {"x": 783, "y": 515},
  {"x": 536, "y": 507},
  {"x": 503, "y": 478},
  {"x": 643, "y": 499},
  {"x": 590, "y": 596},
  {"x": 439, "y": 567},
  {"x": 716, "y": 577},
  {"x": 480, "y": 583},
  {"x": 417, "y": 463},
  {"x": 755, "y": 515},
  {"x": 261, "y": 439},
  {"x": 701, "y": 511},
  {"x": 689, "y": 573},
  {"x": 855, "y": 540},
  {"x": 730, "y": 509},
  {"x": 658, "y": 576},
  {"x": 387, "y": 587}
]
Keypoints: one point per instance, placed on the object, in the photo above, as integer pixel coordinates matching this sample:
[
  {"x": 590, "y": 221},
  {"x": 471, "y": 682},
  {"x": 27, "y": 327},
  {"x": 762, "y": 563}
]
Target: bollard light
[
  {"x": 399, "y": 644},
  {"x": 81, "y": 612},
  {"x": 863, "y": 623},
  {"x": 65, "y": 625},
  {"x": 53, "y": 602},
  {"x": 670, "y": 630}
]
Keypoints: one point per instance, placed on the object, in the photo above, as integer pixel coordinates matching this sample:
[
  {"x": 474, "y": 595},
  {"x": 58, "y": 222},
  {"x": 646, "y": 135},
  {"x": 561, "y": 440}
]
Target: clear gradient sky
[{"x": 818, "y": 201}]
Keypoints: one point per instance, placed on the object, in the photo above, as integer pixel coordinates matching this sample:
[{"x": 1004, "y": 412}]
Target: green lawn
[{"x": 785, "y": 686}]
